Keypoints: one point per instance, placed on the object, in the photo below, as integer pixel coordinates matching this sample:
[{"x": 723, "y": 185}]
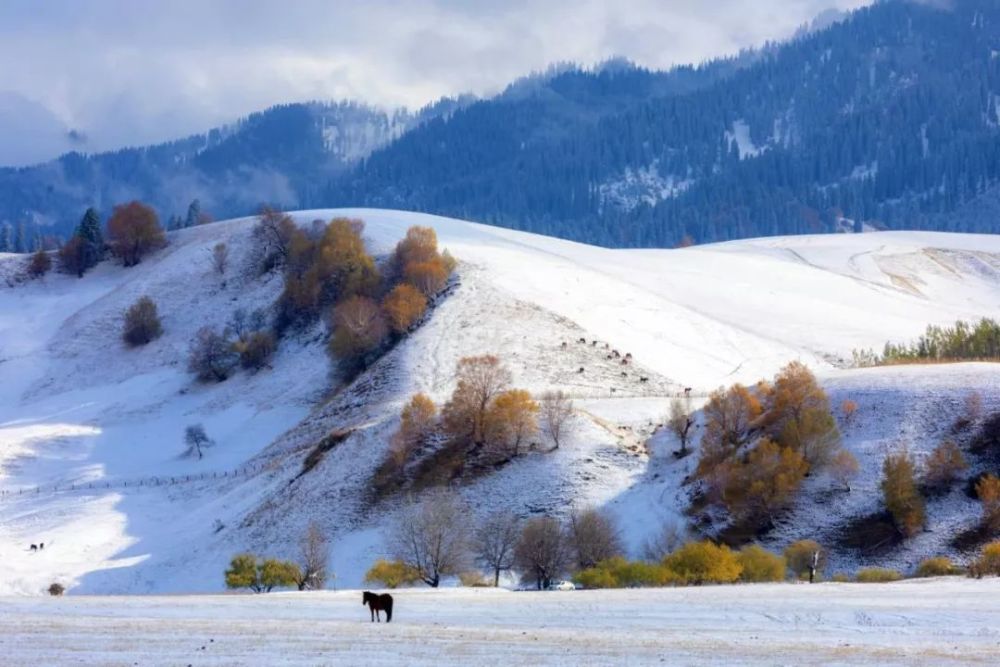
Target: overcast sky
[{"x": 129, "y": 72}]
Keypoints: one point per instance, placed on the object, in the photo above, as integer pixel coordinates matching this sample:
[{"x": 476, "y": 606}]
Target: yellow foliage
[
  {"x": 704, "y": 562},
  {"x": 799, "y": 556},
  {"x": 760, "y": 565},
  {"x": 939, "y": 566},
  {"x": 988, "y": 492},
  {"x": 900, "y": 492},
  {"x": 618, "y": 572},
  {"x": 404, "y": 305},
  {"x": 877, "y": 575},
  {"x": 510, "y": 420},
  {"x": 391, "y": 574}
]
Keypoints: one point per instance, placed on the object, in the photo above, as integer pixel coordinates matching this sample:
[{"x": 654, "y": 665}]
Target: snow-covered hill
[{"x": 90, "y": 432}]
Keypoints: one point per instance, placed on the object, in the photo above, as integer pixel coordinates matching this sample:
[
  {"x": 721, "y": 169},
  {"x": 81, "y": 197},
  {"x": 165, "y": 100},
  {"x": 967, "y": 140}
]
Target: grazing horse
[
  {"x": 34, "y": 547},
  {"x": 377, "y": 603}
]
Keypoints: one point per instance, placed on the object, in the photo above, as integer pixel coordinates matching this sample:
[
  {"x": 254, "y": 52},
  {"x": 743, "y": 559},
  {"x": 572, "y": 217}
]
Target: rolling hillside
[{"x": 90, "y": 433}]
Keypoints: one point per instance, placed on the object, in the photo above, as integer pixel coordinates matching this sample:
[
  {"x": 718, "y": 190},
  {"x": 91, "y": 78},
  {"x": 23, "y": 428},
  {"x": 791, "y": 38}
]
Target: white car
[{"x": 559, "y": 585}]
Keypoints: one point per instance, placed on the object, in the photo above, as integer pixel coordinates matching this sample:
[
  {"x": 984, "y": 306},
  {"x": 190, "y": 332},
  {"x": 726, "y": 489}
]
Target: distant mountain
[
  {"x": 282, "y": 155},
  {"x": 888, "y": 117}
]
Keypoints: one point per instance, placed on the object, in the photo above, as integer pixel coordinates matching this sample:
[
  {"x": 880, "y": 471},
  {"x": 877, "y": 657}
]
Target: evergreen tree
[
  {"x": 193, "y": 214},
  {"x": 89, "y": 232},
  {"x": 6, "y": 238}
]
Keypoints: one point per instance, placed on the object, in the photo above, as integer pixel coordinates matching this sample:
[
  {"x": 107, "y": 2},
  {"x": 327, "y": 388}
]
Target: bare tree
[
  {"x": 432, "y": 536},
  {"x": 593, "y": 537},
  {"x": 681, "y": 421},
  {"x": 665, "y": 542},
  {"x": 494, "y": 542},
  {"x": 541, "y": 552},
  {"x": 314, "y": 558},
  {"x": 197, "y": 441},
  {"x": 220, "y": 258},
  {"x": 212, "y": 356},
  {"x": 243, "y": 323},
  {"x": 556, "y": 412}
]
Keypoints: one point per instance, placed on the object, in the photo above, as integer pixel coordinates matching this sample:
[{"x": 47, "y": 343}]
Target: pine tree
[
  {"x": 89, "y": 232},
  {"x": 193, "y": 214},
  {"x": 6, "y": 238}
]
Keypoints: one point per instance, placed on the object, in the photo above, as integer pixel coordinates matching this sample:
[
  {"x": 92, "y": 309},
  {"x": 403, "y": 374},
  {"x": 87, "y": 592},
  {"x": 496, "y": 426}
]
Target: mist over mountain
[{"x": 888, "y": 117}]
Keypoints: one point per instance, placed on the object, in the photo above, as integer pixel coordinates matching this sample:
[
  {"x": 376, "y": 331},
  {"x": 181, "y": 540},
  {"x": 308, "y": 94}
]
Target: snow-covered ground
[
  {"x": 90, "y": 433},
  {"x": 921, "y": 622}
]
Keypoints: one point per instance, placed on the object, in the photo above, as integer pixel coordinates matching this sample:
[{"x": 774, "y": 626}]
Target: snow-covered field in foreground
[{"x": 918, "y": 622}]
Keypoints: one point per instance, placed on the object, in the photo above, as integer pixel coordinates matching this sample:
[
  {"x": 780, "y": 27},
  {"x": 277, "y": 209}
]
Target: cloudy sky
[{"x": 128, "y": 72}]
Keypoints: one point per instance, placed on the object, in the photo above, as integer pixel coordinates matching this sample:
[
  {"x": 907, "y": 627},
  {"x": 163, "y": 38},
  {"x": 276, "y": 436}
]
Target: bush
[
  {"x": 939, "y": 566},
  {"x": 988, "y": 493},
  {"x": 943, "y": 466},
  {"x": 840, "y": 578},
  {"x": 359, "y": 326},
  {"x": 256, "y": 351},
  {"x": 39, "y": 264},
  {"x": 212, "y": 356},
  {"x": 703, "y": 563},
  {"x": 472, "y": 579},
  {"x": 618, "y": 572},
  {"x": 988, "y": 562},
  {"x": 261, "y": 577},
  {"x": 72, "y": 258},
  {"x": 142, "y": 323},
  {"x": 901, "y": 495},
  {"x": 799, "y": 556},
  {"x": 134, "y": 231},
  {"x": 403, "y": 306},
  {"x": 877, "y": 575},
  {"x": 759, "y": 565},
  {"x": 56, "y": 589},
  {"x": 391, "y": 574}
]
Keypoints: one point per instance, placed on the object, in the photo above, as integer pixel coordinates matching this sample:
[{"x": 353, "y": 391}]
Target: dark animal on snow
[
  {"x": 628, "y": 355},
  {"x": 616, "y": 353},
  {"x": 624, "y": 374},
  {"x": 613, "y": 390},
  {"x": 582, "y": 340},
  {"x": 580, "y": 370},
  {"x": 624, "y": 362},
  {"x": 563, "y": 344},
  {"x": 377, "y": 603},
  {"x": 34, "y": 547},
  {"x": 687, "y": 391},
  {"x": 606, "y": 346},
  {"x": 609, "y": 357},
  {"x": 642, "y": 379},
  {"x": 594, "y": 344},
  {"x": 41, "y": 546}
]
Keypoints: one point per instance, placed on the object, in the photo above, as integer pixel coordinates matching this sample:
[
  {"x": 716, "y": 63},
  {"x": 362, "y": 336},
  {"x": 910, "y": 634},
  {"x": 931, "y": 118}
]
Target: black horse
[{"x": 377, "y": 603}]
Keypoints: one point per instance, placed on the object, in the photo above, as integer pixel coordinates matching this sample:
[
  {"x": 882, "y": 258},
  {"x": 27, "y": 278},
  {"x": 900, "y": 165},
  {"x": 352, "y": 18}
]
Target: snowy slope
[{"x": 78, "y": 411}]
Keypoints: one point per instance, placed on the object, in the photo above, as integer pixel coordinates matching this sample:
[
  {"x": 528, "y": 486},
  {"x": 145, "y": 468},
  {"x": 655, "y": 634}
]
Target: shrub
[
  {"x": 256, "y": 351},
  {"x": 472, "y": 579},
  {"x": 403, "y": 306},
  {"x": 988, "y": 492},
  {"x": 134, "y": 231},
  {"x": 618, "y": 572},
  {"x": 142, "y": 323},
  {"x": 391, "y": 574},
  {"x": 759, "y": 565},
  {"x": 56, "y": 589},
  {"x": 39, "y": 264},
  {"x": 261, "y": 577},
  {"x": 212, "y": 356},
  {"x": 359, "y": 327},
  {"x": 704, "y": 562},
  {"x": 939, "y": 566},
  {"x": 840, "y": 578},
  {"x": 72, "y": 258},
  {"x": 988, "y": 562},
  {"x": 848, "y": 409},
  {"x": 801, "y": 555},
  {"x": 429, "y": 277},
  {"x": 901, "y": 495},
  {"x": 877, "y": 575},
  {"x": 220, "y": 258},
  {"x": 943, "y": 466}
]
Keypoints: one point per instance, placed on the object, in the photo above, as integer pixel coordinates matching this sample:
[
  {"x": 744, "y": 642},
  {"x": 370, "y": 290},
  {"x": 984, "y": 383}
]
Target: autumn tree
[
  {"x": 494, "y": 541},
  {"x": 542, "y": 552},
  {"x": 848, "y": 409},
  {"x": 72, "y": 258},
  {"x": 593, "y": 537},
  {"x": 511, "y": 419},
  {"x": 429, "y": 277},
  {"x": 403, "y": 306},
  {"x": 556, "y": 412},
  {"x": 419, "y": 245},
  {"x": 805, "y": 557},
  {"x": 988, "y": 492},
  {"x": 134, "y": 231},
  {"x": 843, "y": 467},
  {"x": 38, "y": 264},
  {"x": 765, "y": 483},
  {"x": 943, "y": 466},
  {"x": 798, "y": 415},
  {"x": 417, "y": 423},
  {"x": 730, "y": 417},
  {"x": 704, "y": 563},
  {"x": 220, "y": 258},
  {"x": 479, "y": 381},
  {"x": 900, "y": 493},
  {"x": 432, "y": 536},
  {"x": 256, "y": 350},
  {"x": 680, "y": 421},
  {"x": 141, "y": 323},
  {"x": 359, "y": 327},
  {"x": 314, "y": 558}
]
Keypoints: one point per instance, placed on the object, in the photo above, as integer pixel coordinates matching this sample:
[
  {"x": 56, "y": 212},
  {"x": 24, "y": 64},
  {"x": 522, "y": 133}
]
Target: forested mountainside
[
  {"x": 283, "y": 154},
  {"x": 888, "y": 119}
]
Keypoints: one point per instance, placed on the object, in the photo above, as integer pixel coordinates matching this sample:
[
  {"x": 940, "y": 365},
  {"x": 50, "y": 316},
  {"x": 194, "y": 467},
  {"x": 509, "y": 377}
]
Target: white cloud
[{"x": 126, "y": 72}]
